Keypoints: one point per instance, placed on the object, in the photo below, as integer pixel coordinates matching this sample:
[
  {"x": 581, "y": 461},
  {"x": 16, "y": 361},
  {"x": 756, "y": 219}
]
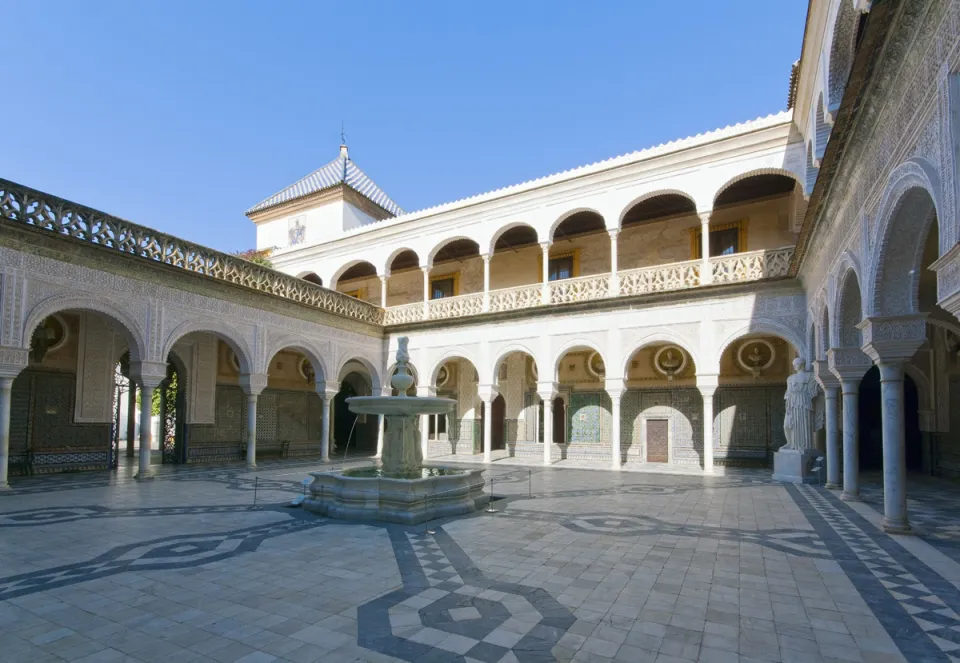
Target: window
[
  {"x": 561, "y": 268},
  {"x": 724, "y": 240},
  {"x": 443, "y": 287}
]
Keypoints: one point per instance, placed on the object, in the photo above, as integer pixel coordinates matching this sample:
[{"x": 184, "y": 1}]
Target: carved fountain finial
[{"x": 402, "y": 380}]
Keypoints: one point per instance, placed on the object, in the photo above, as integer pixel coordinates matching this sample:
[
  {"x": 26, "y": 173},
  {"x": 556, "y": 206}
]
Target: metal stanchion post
[
  {"x": 256, "y": 484},
  {"x": 490, "y": 508},
  {"x": 529, "y": 483}
]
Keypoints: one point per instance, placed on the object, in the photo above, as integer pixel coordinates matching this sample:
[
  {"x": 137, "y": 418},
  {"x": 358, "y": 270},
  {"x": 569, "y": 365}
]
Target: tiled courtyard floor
[{"x": 574, "y": 565}]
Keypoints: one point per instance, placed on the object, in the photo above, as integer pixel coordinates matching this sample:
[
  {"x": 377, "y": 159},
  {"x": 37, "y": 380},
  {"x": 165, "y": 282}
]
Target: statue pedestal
[{"x": 795, "y": 466}]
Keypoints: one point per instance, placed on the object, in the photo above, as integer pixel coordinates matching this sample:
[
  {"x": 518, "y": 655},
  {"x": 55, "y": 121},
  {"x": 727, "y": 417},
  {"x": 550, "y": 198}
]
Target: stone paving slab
[{"x": 570, "y": 565}]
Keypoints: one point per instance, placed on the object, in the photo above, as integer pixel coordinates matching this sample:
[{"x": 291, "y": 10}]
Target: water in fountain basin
[{"x": 422, "y": 473}]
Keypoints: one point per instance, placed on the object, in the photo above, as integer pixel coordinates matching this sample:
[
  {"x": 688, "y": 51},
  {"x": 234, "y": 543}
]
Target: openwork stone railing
[
  {"x": 580, "y": 289},
  {"x": 752, "y": 266},
  {"x": 676, "y": 276},
  {"x": 20, "y": 204},
  {"x": 513, "y": 299},
  {"x": 398, "y": 315},
  {"x": 456, "y": 307}
]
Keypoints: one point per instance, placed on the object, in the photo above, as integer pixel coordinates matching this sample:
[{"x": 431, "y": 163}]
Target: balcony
[{"x": 735, "y": 268}]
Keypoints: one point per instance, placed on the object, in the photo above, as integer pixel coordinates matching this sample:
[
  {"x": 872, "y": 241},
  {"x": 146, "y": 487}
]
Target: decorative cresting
[
  {"x": 456, "y": 307},
  {"x": 581, "y": 289},
  {"x": 752, "y": 265},
  {"x": 20, "y": 204},
  {"x": 675, "y": 276},
  {"x": 513, "y": 299}
]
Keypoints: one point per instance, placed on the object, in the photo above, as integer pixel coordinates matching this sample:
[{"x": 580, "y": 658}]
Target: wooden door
[{"x": 657, "y": 445}]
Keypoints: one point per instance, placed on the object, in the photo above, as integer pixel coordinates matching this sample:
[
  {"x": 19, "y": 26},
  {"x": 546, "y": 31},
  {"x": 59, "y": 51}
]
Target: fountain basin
[{"x": 397, "y": 500}]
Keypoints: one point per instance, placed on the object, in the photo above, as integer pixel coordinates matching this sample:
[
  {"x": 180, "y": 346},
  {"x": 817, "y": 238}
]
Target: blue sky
[{"x": 181, "y": 115}]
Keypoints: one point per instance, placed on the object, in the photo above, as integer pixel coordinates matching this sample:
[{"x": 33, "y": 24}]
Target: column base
[
  {"x": 850, "y": 497},
  {"x": 325, "y": 459},
  {"x": 4, "y": 486},
  {"x": 897, "y": 527},
  {"x": 251, "y": 466},
  {"x": 832, "y": 485},
  {"x": 143, "y": 476}
]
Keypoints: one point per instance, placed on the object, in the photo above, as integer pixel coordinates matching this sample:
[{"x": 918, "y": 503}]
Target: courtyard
[{"x": 209, "y": 564}]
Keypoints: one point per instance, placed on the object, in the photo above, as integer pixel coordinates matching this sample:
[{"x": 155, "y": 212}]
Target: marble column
[
  {"x": 894, "y": 448},
  {"x": 426, "y": 292},
  {"x": 706, "y": 273},
  {"x": 545, "y": 282},
  {"x": 380, "y": 429},
  {"x": 131, "y": 418},
  {"x": 325, "y": 428},
  {"x": 6, "y": 395},
  {"x": 707, "y": 385},
  {"x": 146, "y": 429},
  {"x": 486, "y": 281},
  {"x": 850, "y": 393},
  {"x": 487, "y": 431},
  {"x": 383, "y": 290},
  {"x": 614, "y": 276},
  {"x": 547, "y": 429},
  {"x": 252, "y": 430},
  {"x": 832, "y": 425},
  {"x": 615, "y": 458},
  {"x": 425, "y": 435}
]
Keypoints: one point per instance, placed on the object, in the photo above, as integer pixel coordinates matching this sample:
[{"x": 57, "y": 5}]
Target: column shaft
[
  {"x": 6, "y": 395},
  {"x": 851, "y": 441},
  {"x": 131, "y": 418},
  {"x": 383, "y": 291},
  {"x": 425, "y": 435},
  {"x": 486, "y": 282},
  {"x": 547, "y": 430},
  {"x": 894, "y": 448},
  {"x": 251, "y": 430},
  {"x": 615, "y": 458},
  {"x": 708, "y": 431},
  {"x": 832, "y": 423},
  {"x": 325, "y": 429},
  {"x": 426, "y": 293},
  {"x": 614, "y": 276},
  {"x": 380, "y": 428},
  {"x": 706, "y": 274},
  {"x": 487, "y": 431},
  {"x": 545, "y": 282},
  {"x": 146, "y": 429}
]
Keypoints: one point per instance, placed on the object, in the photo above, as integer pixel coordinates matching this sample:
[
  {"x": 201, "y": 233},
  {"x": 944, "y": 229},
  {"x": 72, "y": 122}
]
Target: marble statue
[{"x": 798, "y": 418}]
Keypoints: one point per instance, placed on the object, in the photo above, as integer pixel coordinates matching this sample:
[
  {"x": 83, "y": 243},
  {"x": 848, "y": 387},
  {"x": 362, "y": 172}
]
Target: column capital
[
  {"x": 705, "y": 217},
  {"x": 848, "y": 364},
  {"x": 547, "y": 390},
  {"x": 13, "y": 360},
  {"x": 545, "y": 245},
  {"x": 487, "y": 392},
  {"x": 148, "y": 374},
  {"x": 613, "y": 232},
  {"x": 253, "y": 384},
  {"x": 821, "y": 371},
  {"x": 384, "y": 277},
  {"x": 486, "y": 257},
  {"x": 425, "y": 269},
  {"x": 893, "y": 338},
  {"x": 426, "y": 391},
  {"x": 327, "y": 389},
  {"x": 707, "y": 383},
  {"x": 615, "y": 387}
]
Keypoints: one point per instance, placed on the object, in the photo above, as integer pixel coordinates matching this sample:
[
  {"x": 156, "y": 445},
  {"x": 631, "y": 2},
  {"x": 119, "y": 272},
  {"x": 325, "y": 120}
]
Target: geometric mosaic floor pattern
[{"x": 209, "y": 564}]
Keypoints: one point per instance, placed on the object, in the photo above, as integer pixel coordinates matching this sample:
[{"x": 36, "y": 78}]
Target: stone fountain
[{"x": 401, "y": 489}]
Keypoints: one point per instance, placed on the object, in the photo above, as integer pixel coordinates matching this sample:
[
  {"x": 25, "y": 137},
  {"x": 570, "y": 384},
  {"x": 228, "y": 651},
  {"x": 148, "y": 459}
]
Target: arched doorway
[
  {"x": 343, "y": 418},
  {"x": 498, "y": 410},
  {"x": 871, "y": 423},
  {"x": 170, "y": 406}
]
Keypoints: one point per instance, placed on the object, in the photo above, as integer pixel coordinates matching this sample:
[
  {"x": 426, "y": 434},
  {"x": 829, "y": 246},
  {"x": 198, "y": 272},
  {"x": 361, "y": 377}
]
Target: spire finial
[{"x": 343, "y": 142}]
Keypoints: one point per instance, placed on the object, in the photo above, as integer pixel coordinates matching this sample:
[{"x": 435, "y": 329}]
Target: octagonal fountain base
[{"x": 367, "y": 494}]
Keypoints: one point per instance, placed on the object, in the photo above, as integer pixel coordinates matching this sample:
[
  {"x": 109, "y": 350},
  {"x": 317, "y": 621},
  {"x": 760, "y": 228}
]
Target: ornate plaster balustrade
[
  {"x": 22, "y": 205},
  {"x": 675, "y": 276},
  {"x": 738, "y": 268},
  {"x": 456, "y": 307},
  {"x": 582, "y": 289},
  {"x": 752, "y": 265},
  {"x": 398, "y": 315},
  {"x": 514, "y": 299}
]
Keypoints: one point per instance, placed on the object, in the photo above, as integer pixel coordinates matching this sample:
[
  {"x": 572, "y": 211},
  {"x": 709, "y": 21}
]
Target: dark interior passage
[{"x": 871, "y": 423}]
